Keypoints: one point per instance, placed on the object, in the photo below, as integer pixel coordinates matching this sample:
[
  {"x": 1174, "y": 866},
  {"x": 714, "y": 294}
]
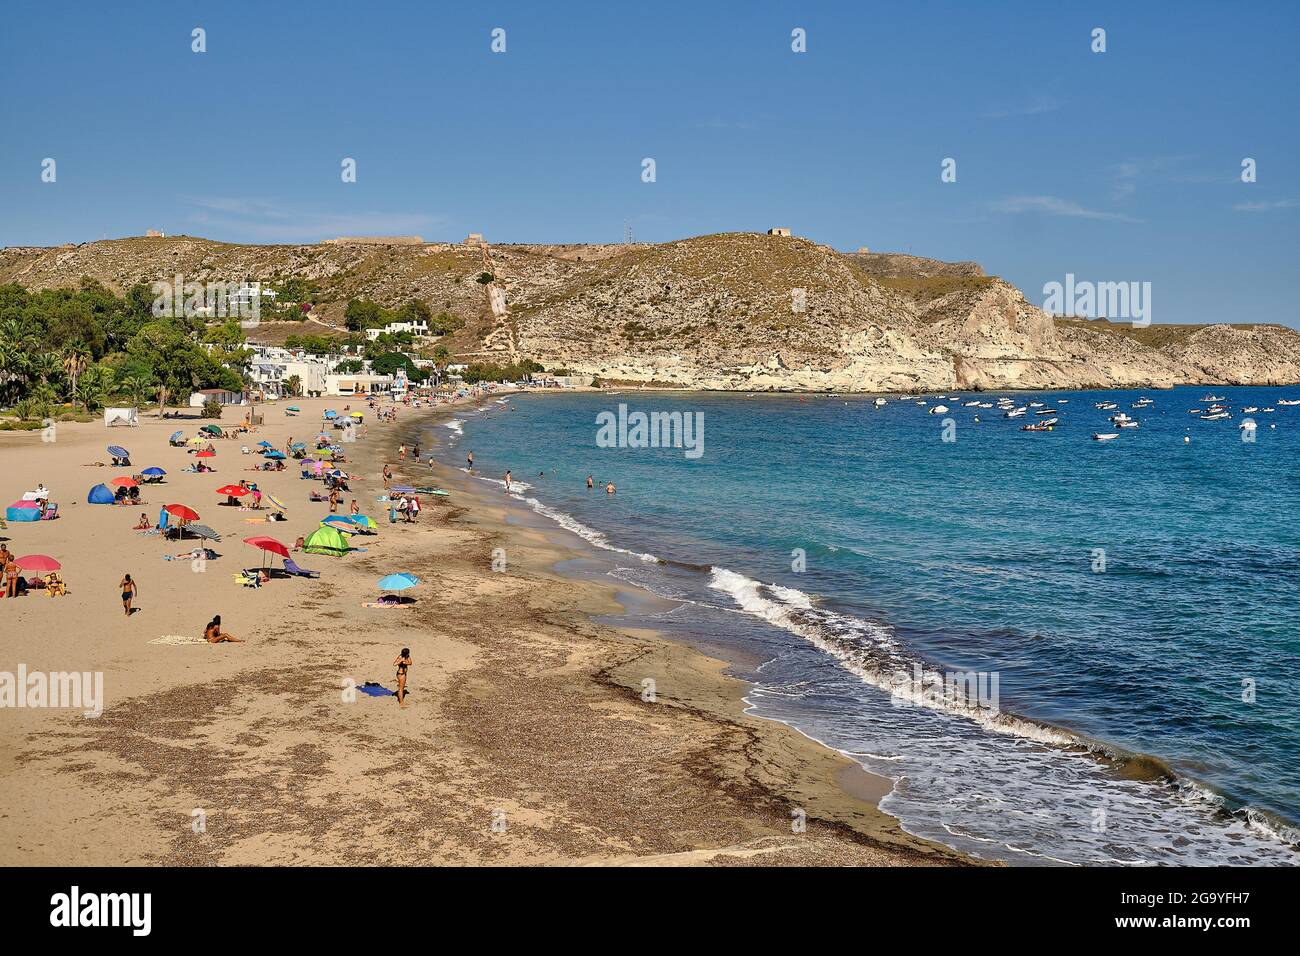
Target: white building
[
  {"x": 419, "y": 328},
  {"x": 357, "y": 383},
  {"x": 249, "y": 293}
]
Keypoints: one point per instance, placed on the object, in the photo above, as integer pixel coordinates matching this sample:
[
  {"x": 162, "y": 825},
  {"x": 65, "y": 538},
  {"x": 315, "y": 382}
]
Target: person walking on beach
[
  {"x": 415, "y": 507},
  {"x": 388, "y": 475},
  {"x": 215, "y": 635},
  {"x": 401, "y": 452},
  {"x": 507, "y": 482},
  {"x": 334, "y": 500},
  {"x": 470, "y": 460},
  {"x": 129, "y": 591},
  {"x": 402, "y": 662},
  {"x": 355, "y": 509}
]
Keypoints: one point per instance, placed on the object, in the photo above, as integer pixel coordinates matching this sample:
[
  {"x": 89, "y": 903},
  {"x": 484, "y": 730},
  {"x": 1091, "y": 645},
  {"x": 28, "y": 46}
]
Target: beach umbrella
[
  {"x": 293, "y": 408},
  {"x": 37, "y": 563},
  {"x": 339, "y": 523},
  {"x": 264, "y": 444},
  {"x": 403, "y": 489},
  {"x": 211, "y": 429},
  {"x": 330, "y": 413},
  {"x": 154, "y": 472},
  {"x": 298, "y": 444},
  {"x": 398, "y": 582},
  {"x": 197, "y": 440},
  {"x": 203, "y": 531},
  {"x": 234, "y": 491},
  {"x": 363, "y": 520},
  {"x": 205, "y": 454},
  {"x": 358, "y": 415},
  {"x": 275, "y": 455},
  {"x": 100, "y": 495},
  {"x": 268, "y": 545},
  {"x": 182, "y": 512},
  {"x": 125, "y": 482},
  {"x": 277, "y": 502},
  {"x": 336, "y": 473},
  {"x": 117, "y": 451},
  {"x": 176, "y": 435}
]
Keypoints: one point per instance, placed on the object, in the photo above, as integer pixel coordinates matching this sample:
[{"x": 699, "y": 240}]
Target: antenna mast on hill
[{"x": 627, "y": 232}]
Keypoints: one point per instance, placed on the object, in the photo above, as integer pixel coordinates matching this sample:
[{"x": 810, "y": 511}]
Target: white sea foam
[
  {"x": 869, "y": 651},
  {"x": 455, "y": 425}
]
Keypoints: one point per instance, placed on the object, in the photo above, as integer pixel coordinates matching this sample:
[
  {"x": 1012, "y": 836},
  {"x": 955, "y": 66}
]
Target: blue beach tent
[{"x": 100, "y": 495}]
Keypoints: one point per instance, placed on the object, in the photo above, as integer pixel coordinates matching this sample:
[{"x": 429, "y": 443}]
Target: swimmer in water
[
  {"x": 590, "y": 484},
  {"x": 609, "y": 488},
  {"x": 507, "y": 481}
]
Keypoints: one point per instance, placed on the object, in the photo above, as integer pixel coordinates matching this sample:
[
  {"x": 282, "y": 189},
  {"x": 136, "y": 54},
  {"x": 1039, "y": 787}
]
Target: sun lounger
[{"x": 292, "y": 567}]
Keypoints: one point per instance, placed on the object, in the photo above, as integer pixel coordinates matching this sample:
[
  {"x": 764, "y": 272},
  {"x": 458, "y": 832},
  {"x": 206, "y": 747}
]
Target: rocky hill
[{"x": 729, "y": 311}]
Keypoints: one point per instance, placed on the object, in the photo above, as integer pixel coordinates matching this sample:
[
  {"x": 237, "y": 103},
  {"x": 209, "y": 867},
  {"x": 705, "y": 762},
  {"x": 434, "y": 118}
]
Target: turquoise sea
[{"x": 1127, "y": 610}]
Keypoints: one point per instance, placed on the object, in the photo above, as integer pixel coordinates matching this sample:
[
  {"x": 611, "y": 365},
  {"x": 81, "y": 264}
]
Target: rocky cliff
[{"x": 730, "y": 311}]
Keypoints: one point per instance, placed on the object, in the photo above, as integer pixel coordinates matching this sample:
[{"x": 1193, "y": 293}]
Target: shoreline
[
  {"x": 1125, "y": 763},
  {"x": 525, "y": 739}
]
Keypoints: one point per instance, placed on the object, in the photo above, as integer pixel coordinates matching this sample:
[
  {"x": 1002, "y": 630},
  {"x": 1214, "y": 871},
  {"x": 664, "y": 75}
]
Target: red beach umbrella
[
  {"x": 182, "y": 512},
  {"x": 205, "y": 454},
  {"x": 38, "y": 563},
  {"x": 125, "y": 482},
  {"x": 268, "y": 544},
  {"x": 234, "y": 491}
]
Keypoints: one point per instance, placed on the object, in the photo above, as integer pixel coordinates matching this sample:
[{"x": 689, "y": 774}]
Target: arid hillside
[{"x": 729, "y": 311}]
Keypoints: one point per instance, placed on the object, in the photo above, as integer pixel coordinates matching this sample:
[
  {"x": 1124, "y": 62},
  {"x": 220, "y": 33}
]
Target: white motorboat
[{"x": 1106, "y": 436}]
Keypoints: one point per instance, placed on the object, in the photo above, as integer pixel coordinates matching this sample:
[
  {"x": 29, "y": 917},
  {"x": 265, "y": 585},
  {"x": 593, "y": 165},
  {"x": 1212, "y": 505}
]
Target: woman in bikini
[
  {"x": 215, "y": 635},
  {"x": 403, "y": 661},
  {"x": 128, "y": 592}
]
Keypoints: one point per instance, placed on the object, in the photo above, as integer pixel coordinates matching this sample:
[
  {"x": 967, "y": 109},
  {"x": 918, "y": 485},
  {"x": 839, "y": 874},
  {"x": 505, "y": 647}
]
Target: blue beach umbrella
[
  {"x": 330, "y": 413},
  {"x": 175, "y": 435},
  {"x": 340, "y": 523},
  {"x": 264, "y": 444},
  {"x": 274, "y": 454},
  {"x": 153, "y": 472},
  {"x": 293, "y": 408},
  {"x": 398, "y": 582},
  {"x": 117, "y": 451}
]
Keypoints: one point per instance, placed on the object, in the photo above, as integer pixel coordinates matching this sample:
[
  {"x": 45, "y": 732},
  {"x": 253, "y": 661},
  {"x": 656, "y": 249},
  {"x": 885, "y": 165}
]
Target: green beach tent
[{"x": 326, "y": 540}]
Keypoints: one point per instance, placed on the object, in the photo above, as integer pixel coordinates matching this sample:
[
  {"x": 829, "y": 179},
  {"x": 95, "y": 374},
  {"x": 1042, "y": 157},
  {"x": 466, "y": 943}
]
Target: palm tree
[
  {"x": 135, "y": 384},
  {"x": 75, "y": 360},
  {"x": 92, "y": 387}
]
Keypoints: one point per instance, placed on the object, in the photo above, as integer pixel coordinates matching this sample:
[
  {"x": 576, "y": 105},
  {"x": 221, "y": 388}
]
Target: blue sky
[{"x": 1118, "y": 166}]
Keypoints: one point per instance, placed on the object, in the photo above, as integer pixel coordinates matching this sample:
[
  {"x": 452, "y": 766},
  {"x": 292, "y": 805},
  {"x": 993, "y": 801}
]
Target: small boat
[
  {"x": 1127, "y": 424},
  {"x": 1219, "y": 398},
  {"x": 1045, "y": 411},
  {"x": 1247, "y": 425},
  {"x": 1039, "y": 426},
  {"x": 986, "y": 404},
  {"x": 970, "y": 405},
  {"x": 879, "y": 403},
  {"x": 1063, "y": 401},
  {"x": 939, "y": 410},
  {"x": 1035, "y": 404},
  {"x": 1269, "y": 409},
  {"x": 1121, "y": 417},
  {"x": 1250, "y": 409},
  {"x": 1107, "y": 436},
  {"x": 1217, "y": 416},
  {"x": 1107, "y": 406},
  {"x": 1287, "y": 401},
  {"x": 1013, "y": 413}
]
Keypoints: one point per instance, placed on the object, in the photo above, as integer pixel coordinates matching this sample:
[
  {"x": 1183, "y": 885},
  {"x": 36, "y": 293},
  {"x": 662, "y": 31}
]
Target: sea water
[{"x": 1130, "y": 608}]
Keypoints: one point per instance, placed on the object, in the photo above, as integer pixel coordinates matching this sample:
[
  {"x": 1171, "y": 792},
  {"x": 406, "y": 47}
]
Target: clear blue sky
[{"x": 1116, "y": 166}]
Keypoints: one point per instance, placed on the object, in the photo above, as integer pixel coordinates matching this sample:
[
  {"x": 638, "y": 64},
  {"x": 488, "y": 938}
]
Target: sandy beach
[{"x": 525, "y": 738}]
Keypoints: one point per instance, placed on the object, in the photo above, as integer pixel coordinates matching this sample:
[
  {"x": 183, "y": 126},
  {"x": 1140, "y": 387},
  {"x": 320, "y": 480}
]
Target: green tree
[
  {"x": 363, "y": 314},
  {"x": 76, "y": 358}
]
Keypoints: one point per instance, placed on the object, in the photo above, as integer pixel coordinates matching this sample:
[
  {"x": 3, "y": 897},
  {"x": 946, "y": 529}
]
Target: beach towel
[
  {"x": 371, "y": 689},
  {"x": 176, "y": 640}
]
